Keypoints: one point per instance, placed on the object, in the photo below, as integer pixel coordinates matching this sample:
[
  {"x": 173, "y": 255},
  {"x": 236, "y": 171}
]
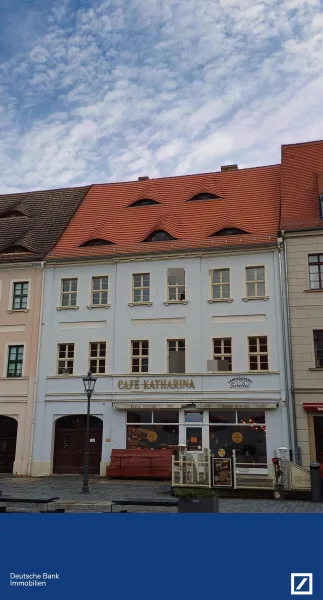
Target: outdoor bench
[
  {"x": 43, "y": 502},
  {"x": 144, "y": 502}
]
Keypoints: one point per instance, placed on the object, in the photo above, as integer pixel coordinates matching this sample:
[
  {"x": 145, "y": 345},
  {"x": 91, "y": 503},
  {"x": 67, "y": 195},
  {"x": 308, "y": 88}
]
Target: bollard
[{"x": 316, "y": 487}]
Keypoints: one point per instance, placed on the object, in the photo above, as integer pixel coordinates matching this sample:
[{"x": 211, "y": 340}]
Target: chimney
[
  {"x": 144, "y": 178},
  {"x": 226, "y": 168}
]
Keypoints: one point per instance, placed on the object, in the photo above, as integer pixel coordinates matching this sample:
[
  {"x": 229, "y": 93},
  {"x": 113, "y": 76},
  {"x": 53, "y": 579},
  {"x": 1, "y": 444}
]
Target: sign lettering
[{"x": 156, "y": 384}]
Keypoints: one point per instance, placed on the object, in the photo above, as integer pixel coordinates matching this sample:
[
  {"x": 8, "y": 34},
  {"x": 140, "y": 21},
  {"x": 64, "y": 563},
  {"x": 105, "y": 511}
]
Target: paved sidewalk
[{"x": 68, "y": 488}]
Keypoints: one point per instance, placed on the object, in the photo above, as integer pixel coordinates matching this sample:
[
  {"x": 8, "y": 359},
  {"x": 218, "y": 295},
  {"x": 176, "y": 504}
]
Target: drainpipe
[
  {"x": 37, "y": 370},
  {"x": 288, "y": 363}
]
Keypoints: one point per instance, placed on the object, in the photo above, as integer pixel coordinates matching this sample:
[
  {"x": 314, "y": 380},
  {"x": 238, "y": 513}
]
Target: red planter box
[{"x": 149, "y": 464}]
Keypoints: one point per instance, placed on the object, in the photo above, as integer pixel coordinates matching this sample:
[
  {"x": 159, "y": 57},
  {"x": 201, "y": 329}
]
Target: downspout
[
  {"x": 37, "y": 370},
  {"x": 288, "y": 363}
]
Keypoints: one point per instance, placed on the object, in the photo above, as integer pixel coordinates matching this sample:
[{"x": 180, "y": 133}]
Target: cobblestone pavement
[{"x": 68, "y": 488}]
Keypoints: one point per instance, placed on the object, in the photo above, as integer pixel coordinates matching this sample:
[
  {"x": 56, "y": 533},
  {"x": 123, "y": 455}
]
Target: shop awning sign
[
  {"x": 313, "y": 406},
  {"x": 198, "y": 405}
]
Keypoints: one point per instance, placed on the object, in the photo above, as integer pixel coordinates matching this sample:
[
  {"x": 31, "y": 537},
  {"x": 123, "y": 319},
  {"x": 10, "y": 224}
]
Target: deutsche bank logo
[{"x": 301, "y": 584}]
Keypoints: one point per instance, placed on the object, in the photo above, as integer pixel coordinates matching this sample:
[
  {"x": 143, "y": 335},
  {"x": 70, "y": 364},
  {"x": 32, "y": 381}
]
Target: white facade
[{"x": 197, "y": 321}]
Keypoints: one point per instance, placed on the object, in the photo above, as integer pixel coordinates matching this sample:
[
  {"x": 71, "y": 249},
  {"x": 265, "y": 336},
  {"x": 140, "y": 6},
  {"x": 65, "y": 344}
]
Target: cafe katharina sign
[{"x": 240, "y": 382}]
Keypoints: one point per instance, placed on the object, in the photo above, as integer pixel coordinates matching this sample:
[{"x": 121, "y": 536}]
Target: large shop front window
[
  {"x": 148, "y": 429},
  {"x": 243, "y": 431}
]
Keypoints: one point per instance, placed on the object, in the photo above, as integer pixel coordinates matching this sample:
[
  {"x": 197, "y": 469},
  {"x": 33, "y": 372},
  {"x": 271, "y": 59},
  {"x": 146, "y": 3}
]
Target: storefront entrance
[
  {"x": 318, "y": 433},
  {"x": 69, "y": 444},
  {"x": 8, "y": 439}
]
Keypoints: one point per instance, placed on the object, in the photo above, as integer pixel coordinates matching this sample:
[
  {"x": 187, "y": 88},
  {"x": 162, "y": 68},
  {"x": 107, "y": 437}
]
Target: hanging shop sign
[
  {"x": 240, "y": 382},
  {"x": 155, "y": 384}
]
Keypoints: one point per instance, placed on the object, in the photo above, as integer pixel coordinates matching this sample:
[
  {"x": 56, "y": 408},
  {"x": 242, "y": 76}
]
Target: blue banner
[{"x": 159, "y": 556}]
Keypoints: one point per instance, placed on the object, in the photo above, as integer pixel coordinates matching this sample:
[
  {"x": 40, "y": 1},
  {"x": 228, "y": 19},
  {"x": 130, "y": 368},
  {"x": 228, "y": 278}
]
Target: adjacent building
[
  {"x": 30, "y": 225},
  {"x": 302, "y": 232},
  {"x": 169, "y": 291}
]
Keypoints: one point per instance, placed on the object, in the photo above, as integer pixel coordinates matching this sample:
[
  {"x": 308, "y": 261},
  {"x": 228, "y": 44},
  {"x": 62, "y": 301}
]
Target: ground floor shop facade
[
  {"x": 309, "y": 420},
  {"x": 157, "y": 413}
]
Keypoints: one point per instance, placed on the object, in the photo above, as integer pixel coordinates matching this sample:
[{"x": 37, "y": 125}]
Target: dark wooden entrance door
[
  {"x": 69, "y": 444},
  {"x": 8, "y": 439},
  {"x": 318, "y": 432}
]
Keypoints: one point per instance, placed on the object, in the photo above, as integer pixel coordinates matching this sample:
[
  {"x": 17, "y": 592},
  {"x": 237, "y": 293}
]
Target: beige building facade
[
  {"x": 304, "y": 252},
  {"x": 20, "y": 310}
]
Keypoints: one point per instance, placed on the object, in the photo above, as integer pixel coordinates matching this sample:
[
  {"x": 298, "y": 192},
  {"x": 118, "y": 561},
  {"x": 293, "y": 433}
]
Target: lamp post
[{"x": 89, "y": 384}]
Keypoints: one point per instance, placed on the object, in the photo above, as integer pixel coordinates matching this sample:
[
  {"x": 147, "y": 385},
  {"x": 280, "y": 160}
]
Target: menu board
[{"x": 222, "y": 472}]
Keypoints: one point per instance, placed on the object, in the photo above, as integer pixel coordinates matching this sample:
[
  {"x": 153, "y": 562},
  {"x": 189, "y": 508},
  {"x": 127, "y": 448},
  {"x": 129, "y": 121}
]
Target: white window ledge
[
  {"x": 67, "y": 307},
  {"x": 313, "y": 290},
  {"x": 140, "y": 303},
  {"x": 90, "y": 306},
  {"x": 248, "y": 298},
  {"x": 16, "y": 310},
  {"x": 220, "y": 300},
  {"x": 316, "y": 369},
  {"x": 175, "y": 302}
]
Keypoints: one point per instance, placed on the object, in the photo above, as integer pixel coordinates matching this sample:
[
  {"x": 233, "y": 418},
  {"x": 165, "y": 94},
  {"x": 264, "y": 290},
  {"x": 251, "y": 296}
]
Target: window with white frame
[
  {"x": 220, "y": 284},
  {"x": 69, "y": 292},
  {"x": 99, "y": 291},
  {"x": 140, "y": 288},
  {"x": 176, "y": 356},
  {"x": 65, "y": 361},
  {"x": 222, "y": 351},
  {"x": 258, "y": 353},
  {"x": 15, "y": 361},
  {"x": 152, "y": 429},
  {"x": 176, "y": 285},
  {"x": 139, "y": 356},
  {"x": 20, "y": 295},
  {"x": 98, "y": 357},
  {"x": 255, "y": 280}
]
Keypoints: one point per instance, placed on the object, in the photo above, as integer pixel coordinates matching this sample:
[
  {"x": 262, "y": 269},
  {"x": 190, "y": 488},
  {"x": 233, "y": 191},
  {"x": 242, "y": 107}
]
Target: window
[
  {"x": 176, "y": 356},
  {"x": 243, "y": 431},
  {"x": 157, "y": 429},
  {"x": 69, "y": 292},
  {"x": 97, "y": 357},
  {"x": 222, "y": 352},
  {"x": 258, "y": 354},
  {"x": 227, "y": 231},
  {"x": 220, "y": 284},
  {"x": 315, "y": 266},
  {"x": 15, "y": 250},
  {"x": 204, "y": 196},
  {"x": 20, "y": 295},
  {"x": 140, "y": 288},
  {"x": 144, "y": 202},
  {"x": 99, "y": 292},
  {"x": 65, "y": 363},
  {"x": 193, "y": 417},
  {"x": 255, "y": 282},
  {"x": 139, "y": 356},
  {"x": 96, "y": 242},
  {"x": 159, "y": 236},
  {"x": 318, "y": 348},
  {"x": 15, "y": 361},
  {"x": 176, "y": 285}
]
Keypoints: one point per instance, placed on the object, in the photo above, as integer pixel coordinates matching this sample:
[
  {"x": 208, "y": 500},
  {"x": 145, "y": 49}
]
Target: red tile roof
[
  {"x": 302, "y": 164},
  {"x": 250, "y": 200}
]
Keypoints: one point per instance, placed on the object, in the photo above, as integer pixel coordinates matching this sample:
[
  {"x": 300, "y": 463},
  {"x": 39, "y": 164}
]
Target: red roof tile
[
  {"x": 249, "y": 201},
  {"x": 301, "y": 166}
]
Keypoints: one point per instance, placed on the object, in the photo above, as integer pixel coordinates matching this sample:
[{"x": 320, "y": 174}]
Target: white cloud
[{"x": 158, "y": 87}]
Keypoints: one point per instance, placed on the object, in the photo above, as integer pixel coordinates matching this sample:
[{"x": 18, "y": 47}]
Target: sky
[{"x": 101, "y": 91}]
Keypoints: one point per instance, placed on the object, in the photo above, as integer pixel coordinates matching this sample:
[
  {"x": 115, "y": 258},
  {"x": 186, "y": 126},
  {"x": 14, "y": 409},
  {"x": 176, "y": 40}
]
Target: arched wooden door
[
  {"x": 69, "y": 444},
  {"x": 8, "y": 440}
]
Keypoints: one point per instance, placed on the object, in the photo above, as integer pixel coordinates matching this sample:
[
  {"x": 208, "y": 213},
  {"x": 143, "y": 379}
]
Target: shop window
[
  {"x": 249, "y": 417},
  {"x": 165, "y": 416},
  {"x": 176, "y": 285},
  {"x": 318, "y": 348},
  {"x": 220, "y": 284},
  {"x": 315, "y": 267},
  {"x": 255, "y": 280},
  {"x": 176, "y": 356},
  {"x": 194, "y": 417},
  {"x": 139, "y": 416},
  {"x": 249, "y": 442},
  {"x": 152, "y": 436},
  {"x": 222, "y": 416}
]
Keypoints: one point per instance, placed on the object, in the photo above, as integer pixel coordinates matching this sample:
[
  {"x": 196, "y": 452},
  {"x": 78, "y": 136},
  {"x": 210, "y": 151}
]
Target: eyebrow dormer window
[
  {"x": 204, "y": 196},
  {"x": 15, "y": 250},
  {"x": 96, "y": 242},
  {"x": 229, "y": 231},
  {"x": 159, "y": 236},
  {"x": 11, "y": 214},
  {"x": 144, "y": 202}
]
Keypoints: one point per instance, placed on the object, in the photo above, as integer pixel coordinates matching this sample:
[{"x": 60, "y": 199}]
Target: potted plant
[
  {"x": 279, "y": 491},
  {"x": 197, "y": 500}
]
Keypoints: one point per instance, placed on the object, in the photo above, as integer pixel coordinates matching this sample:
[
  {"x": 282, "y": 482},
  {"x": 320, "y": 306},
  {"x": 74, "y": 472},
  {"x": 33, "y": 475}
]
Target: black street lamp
[{"x": 89, "y": 384}]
